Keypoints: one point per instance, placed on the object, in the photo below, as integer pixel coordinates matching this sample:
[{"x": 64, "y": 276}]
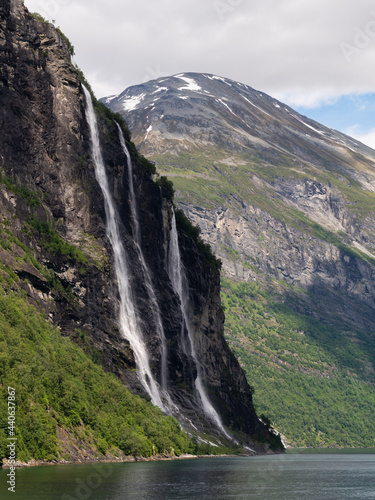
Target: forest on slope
[{"x": 305, "y": 376}]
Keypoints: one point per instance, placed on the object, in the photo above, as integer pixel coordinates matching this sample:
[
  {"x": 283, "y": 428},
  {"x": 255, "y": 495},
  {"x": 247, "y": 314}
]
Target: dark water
[{"x": 285, "y": 477}]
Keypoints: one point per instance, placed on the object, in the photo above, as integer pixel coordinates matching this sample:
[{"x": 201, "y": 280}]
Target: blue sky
[
  {"x": 351, "y": 114},
  {"x": 316, "y": 56}
]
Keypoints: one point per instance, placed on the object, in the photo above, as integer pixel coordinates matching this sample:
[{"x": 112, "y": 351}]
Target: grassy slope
[
  {"x": 214, "y": 178},
  {"x": 58, "y": 385}
]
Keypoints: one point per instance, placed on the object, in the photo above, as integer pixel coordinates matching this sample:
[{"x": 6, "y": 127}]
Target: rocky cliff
[
  {"x": 275, "y": 194},
  {"x": 288, "y": 205},
  {"x": 54, "y": 245}
]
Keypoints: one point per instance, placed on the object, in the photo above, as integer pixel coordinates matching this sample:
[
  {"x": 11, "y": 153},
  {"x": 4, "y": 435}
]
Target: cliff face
[
  {"x": 276, "y": 195},
  {"x": 288, "y": 206},
  {"x": 54, "y": 232}
]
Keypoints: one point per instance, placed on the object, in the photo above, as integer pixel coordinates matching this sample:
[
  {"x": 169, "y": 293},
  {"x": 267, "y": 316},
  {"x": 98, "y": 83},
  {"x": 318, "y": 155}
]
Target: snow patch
[
  {"x": 309, "y": 126},
  {"x": 226, "y": 105},
  {"x": 110, "y": 98},
  {"x": 147, "y": 131},
  {"x": 132, "y": 102},
  {"x": 255, "y": 106},
  {"x": 159, "y": 89},
  {"x": 222, "y": 80},
  {"x": 192, "y": 84}
]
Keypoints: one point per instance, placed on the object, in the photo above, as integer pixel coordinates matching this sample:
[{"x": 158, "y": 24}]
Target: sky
[{"x": 315, "y": 55}]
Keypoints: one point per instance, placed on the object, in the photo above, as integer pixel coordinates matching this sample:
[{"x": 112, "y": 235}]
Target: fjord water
[{"x": 278, "y": 477}]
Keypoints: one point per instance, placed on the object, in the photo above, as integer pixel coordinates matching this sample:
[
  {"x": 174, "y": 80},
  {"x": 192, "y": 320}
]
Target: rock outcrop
[{"x": 54, "y": 231}]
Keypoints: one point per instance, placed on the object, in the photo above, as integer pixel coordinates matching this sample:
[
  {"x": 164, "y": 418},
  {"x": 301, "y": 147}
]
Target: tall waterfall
[
  {"x": 179, "y": 282},
  {"x": 150, "y": 289},
  {"x": 128, "y": 321}
]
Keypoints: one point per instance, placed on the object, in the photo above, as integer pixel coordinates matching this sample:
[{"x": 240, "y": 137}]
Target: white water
[
  {"x": 180, "y": 284},
  {"x": 128, "y": 321},
  {"x": 147, "y": 278}
]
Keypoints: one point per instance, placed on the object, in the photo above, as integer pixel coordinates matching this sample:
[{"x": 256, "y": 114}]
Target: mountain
[
  {"x": 288, "y": 206},
  {"x": 96, "y": 268}
]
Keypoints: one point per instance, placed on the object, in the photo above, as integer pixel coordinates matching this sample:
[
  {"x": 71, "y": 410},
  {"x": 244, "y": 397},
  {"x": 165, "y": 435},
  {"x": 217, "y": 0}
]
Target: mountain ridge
[{"x": 284, "y": 202}]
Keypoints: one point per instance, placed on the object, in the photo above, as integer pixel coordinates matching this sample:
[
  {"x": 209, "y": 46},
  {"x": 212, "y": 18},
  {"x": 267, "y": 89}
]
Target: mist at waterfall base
[{"x": 129, "y": 322}]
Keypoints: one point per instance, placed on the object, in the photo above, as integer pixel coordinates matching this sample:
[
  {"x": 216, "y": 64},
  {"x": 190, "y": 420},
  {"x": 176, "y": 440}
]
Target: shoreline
[{"x": 127, "y": 459}]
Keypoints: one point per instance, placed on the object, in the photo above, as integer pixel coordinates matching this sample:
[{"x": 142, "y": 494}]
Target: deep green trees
[{"x": 58, "y": 385}]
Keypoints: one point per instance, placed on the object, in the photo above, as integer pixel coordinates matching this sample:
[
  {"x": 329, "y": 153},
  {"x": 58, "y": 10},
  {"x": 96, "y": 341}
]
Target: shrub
[
  {"x": 38, "y": 17},
  {"x": 54, "y": 243},
  {"x": 67, "y": 41},
  {"x": 166, "y": 185}
]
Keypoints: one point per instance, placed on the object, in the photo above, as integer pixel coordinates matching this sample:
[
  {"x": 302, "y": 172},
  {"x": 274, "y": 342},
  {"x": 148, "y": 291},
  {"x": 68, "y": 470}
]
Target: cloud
[
  {"x": 367, "y": 138},
  {"x": 313, "y": 99},
  {"x": 288, "y": 48}
]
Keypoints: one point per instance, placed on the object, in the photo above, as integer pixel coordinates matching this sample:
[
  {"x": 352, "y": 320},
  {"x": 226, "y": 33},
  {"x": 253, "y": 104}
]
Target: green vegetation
[
  {"x": 54, "y": 243},
  {"x": 67, "y": 41},
  {"x": 20, "y": 252},
  {"x": 166, "y": 185},
  {"x": 57, "y": 385},
  {"x": 30, "y": 197},
  {"x": 315, "y": 383},
  {"x": 38, "y": 17}
]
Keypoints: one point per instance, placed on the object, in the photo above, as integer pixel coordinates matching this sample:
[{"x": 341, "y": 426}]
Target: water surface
[{"x": 281, "y": 477}]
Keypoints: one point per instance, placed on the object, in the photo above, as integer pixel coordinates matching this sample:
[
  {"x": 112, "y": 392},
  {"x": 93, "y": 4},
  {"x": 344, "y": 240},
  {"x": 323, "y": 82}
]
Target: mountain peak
[
  {"x": 204, "y": 108},
  {"x": 288, "y": 206}
]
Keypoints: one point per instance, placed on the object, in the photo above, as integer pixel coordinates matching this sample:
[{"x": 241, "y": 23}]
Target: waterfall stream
[
  {"x": 179, "y": 282},
  {"x": 150, "y": 289},
  {"x": 128, "y": 321}
]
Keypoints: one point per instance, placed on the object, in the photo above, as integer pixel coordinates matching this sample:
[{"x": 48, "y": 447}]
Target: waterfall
[
  {"x": 128, "y": 321},
  {"x": 150, "y": 289},
  {"x": 179, "y": 282}
]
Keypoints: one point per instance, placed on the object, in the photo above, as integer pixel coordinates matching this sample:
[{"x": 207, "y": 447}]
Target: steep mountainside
[
  {"x": 59, "y": 251},
  {"x": 288, "y": 203}
]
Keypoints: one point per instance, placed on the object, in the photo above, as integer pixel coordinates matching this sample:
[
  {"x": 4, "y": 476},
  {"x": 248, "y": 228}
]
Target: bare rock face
[
  {"x": 277, "y": 195},
  {"x": 54, "y": 228}
]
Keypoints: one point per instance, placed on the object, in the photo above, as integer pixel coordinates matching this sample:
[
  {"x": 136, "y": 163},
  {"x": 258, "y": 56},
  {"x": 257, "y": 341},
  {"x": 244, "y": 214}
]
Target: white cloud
[
  {"x": 301, "y": 98},
  {"x": 283, "y": 47},
  {"x": 367, "y": 138}
]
